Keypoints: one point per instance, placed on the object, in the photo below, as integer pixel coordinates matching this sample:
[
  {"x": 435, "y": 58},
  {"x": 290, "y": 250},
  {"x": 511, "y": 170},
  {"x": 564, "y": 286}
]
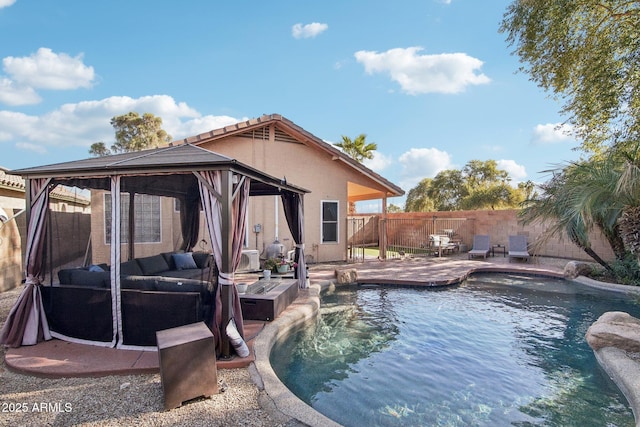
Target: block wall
[{"x": 499, "y": 224}]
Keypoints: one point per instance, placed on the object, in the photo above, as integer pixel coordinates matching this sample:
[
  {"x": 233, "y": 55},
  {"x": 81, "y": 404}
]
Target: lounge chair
[
  {"x": 481, "y": 246},
  {"x": 518, "y": 248}
]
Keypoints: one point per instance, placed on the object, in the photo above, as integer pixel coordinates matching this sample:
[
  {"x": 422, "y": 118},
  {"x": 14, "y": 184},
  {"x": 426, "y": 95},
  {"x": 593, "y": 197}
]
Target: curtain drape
[
  {"x": 27, "y": 322},
  {"x": 294, "y": 212},
  {"x": 210, "y": 183},
  {"x": 190, "y": 220}
]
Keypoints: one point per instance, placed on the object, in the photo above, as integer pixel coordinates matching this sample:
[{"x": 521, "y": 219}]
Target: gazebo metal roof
[{"x": 170, "y": 161}]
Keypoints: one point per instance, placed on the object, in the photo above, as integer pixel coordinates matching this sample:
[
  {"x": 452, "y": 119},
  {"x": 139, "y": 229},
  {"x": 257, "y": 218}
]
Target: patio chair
[
  {"x": 481, "y": 246},
  {"x": 440, "y": 245},
  {"x": 518, "y": 248}
]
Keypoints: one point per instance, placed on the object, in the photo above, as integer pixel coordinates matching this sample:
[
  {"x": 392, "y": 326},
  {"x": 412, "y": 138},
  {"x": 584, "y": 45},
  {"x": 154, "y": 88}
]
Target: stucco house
[{"x": 280, "y": 148}]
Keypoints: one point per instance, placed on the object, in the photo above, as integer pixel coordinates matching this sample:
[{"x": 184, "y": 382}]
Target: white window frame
[{"x": 322, "y": 222}]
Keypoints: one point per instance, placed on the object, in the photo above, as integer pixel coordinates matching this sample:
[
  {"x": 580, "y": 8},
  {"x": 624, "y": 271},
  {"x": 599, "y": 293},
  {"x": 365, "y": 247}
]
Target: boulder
[
  {"x": 615, "y": 329},
  {"x": 346, "y": 276},
  {"x": 574, "y": 269}
]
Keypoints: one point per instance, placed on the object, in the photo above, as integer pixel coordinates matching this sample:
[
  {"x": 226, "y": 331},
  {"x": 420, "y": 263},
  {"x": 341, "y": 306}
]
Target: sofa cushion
[
  {"x": 144, "y": 313},
  {"x": 143, "y": 283},
  {"x": 64, "y": 276},
  {"x": 153, "y": 265},
  {"x": 131, "y": 268},
  {"x": 167, "y": 284},
  {"x": 79, "y": 312},
  {"x": 91, "y": 279},
  {"x": 184, "y": 261},
  {"x": 162, "y": 286},
  {"x": 202, "y": 259},
  {"x": 194, "y": 273}
]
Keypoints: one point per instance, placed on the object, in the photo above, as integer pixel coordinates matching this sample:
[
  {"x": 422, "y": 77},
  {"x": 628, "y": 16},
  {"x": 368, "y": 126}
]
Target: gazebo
[{"x": 199, "y": 179}]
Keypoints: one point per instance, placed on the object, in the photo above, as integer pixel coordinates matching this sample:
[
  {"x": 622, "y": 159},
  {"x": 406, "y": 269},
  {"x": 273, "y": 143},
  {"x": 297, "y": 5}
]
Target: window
[
  {"x": 147, "y": 220},
  {"x": 329, "y": 221}
]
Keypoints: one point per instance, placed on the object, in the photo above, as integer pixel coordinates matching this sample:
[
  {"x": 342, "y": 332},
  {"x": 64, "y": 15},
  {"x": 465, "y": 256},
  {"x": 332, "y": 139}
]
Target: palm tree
[
  {"x": 628, "y": 188},
  {"x": 574, "y": 201},
  {"x": 358, "y": 149}
]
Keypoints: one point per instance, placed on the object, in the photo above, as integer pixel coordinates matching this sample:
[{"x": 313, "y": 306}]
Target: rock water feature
[{"x": 615, "y": 340}]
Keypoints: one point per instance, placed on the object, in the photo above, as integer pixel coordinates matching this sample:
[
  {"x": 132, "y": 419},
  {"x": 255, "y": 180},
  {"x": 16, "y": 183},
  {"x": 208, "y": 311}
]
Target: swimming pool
[{"x": 496, "y": 350}]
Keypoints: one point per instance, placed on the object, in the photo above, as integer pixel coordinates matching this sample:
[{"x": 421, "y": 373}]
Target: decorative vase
[{"x": 283, "y": 268}]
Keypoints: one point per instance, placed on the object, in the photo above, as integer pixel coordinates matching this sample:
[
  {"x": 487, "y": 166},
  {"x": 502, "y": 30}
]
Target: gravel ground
[{"x": 133, "y": 400}]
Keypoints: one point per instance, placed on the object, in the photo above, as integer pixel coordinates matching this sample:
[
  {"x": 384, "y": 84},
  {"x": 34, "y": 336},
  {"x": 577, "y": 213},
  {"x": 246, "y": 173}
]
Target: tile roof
[{"x": 16, "y": 183}]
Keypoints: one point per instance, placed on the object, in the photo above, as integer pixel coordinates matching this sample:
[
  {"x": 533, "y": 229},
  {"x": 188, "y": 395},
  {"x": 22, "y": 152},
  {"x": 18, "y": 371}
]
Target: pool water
[{"x": 496, "y": 350}]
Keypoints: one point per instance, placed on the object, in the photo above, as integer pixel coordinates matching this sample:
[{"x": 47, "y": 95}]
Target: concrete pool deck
[{"x": 426, "y": 271}]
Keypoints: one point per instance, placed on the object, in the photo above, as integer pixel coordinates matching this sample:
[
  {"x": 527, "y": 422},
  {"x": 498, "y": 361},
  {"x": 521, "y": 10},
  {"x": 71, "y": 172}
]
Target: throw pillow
[
  {"x": 201, "y": 259},
  {"x": 95, "y": 268},
  {"x": 184, "y": 261}
]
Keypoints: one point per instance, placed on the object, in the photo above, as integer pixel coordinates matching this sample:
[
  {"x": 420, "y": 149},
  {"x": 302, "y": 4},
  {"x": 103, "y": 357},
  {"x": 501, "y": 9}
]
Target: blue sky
[{"x": 431, "y": 82}]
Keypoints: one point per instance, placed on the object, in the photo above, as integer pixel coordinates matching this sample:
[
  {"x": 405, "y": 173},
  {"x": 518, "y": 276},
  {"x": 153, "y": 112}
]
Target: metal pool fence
[{"x": 372, "y": 236}]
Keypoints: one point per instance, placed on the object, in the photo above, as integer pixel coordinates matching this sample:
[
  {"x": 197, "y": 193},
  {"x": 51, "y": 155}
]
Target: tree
[
  {"x": 99, "y": 149},
  {"x": 479, "y": 185},
  {"x": 418, "y": 199},
  {"x": 392, "y": 208},
  {"x": 487, "y": 186},
  {"x": 586, "y": 52},
  {"x": 628, "y": 186},
  {"x": 133, "y": 133},
  {"x": 561, "y": 209},
  {"x": 447, "y": 189},
  {"x": 358, "y": 149}
]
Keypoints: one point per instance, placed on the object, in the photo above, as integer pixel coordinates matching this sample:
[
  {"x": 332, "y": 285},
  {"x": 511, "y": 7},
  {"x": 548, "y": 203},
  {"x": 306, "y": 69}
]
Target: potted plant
[
  {"x": 285, "y": 265},
  {"x": 272, "y": 264}
]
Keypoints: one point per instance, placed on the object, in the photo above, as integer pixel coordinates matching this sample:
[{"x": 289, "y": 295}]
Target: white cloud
[
  {"x": 552, "y": 133},
  {"x": 13, "y": 94},
  {"x": 417, "y": 74},
  {"x": 420, "y": 163},
  {"x": 87, "y": 122},
  {"x": 35, "y": 148},
  {"x": 379, "y": 162},
  {"x": 307, "y": 31},
  {"x": 517, "y": 172},
  {"x": 6, "y": 3},
  {"x": 48, "y": 70}
]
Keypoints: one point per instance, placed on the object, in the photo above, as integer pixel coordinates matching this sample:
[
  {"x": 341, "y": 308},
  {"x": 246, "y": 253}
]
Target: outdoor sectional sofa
[{"x": 157, "y": 292}]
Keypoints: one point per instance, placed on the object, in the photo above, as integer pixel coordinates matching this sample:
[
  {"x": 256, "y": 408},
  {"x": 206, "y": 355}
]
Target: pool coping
[{"x": 282, "y": 403}]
